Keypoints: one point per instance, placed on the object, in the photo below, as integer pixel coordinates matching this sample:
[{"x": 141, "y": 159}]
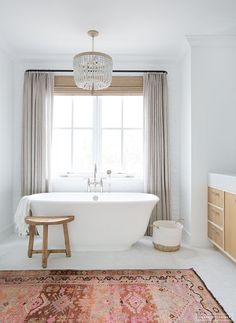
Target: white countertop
[{"x": 224, "y": 182}]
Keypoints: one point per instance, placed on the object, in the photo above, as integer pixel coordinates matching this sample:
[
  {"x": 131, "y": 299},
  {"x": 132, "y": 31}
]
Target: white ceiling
[{"x": 127, "y": 27}]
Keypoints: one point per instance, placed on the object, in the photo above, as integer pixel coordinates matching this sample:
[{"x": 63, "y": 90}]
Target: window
[{"x": 107, "y": 130}]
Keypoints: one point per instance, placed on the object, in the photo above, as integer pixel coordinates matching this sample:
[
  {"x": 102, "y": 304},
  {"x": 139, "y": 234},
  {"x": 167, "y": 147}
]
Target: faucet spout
[
  {"x": 94, "y": 182},
  {"x": 95, "y": 173}
]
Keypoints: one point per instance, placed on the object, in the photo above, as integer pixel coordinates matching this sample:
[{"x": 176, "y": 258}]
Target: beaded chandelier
[{"x": 92, "y": 70}]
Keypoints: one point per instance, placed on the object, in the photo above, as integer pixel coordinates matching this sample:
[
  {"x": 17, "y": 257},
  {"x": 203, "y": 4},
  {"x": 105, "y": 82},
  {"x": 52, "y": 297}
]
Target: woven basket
[
  {"x": 166, "y": 248},
  {"x": 167, "y": 235}
]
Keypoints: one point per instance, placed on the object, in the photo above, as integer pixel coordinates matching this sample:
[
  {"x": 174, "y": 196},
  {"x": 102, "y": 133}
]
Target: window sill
[{"x": 99, "y": 175}]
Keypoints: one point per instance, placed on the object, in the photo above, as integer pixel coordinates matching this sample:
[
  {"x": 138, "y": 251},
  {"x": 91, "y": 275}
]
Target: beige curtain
[
  {"x": 37, "y": 132},
  {"x": 156, "y": 170}
]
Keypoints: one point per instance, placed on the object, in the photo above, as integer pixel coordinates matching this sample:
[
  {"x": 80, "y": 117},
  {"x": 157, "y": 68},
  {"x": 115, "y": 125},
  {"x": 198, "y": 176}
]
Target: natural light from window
[{"x": 107, "y": 130}]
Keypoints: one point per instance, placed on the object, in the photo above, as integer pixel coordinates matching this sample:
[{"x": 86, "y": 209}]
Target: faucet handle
[
  {"x": 88, "y": 185},
  {"x": 101, "y": 185}
]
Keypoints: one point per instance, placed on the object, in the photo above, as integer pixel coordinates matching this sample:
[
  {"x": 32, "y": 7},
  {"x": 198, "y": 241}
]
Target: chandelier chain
[{"x": 92, "y": 43}]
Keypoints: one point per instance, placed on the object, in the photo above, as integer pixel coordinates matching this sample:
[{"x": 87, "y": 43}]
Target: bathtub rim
[{"x": 148, "y": 197}]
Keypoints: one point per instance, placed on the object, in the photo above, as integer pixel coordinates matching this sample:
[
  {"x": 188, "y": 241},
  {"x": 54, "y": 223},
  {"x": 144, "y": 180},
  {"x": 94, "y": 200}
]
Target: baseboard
[{"x": 5, "y": 233}]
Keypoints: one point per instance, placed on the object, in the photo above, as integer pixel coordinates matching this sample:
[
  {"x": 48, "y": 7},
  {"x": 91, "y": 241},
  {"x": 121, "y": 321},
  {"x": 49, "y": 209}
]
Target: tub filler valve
[{"x": 94, "y": 183}]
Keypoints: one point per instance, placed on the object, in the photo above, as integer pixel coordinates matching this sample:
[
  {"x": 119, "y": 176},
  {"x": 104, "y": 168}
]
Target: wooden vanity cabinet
[
  {"x": 230, "y": 224},
  {"x": 216, "y": 217},
  {"x": 222, "y": 221}
]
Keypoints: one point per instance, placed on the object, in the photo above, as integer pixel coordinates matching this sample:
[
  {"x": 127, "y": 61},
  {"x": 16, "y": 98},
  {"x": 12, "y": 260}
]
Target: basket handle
[
  {"x": 154, "y": 226},
  {"x": 179, "y": 222}
]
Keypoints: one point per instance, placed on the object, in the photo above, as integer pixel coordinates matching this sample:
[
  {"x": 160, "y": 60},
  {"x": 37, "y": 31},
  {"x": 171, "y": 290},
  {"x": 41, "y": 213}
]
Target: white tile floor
[{"x": 217, "y": 271}]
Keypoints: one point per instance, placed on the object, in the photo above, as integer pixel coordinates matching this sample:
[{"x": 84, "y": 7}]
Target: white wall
[
  {"x": 6, "y": 128},
  {"x": 173, "y": 69},
  {"x": 213, "y": 122},
  {"x": 202, "y": 116},
  {"x": 185, "y": 146}
]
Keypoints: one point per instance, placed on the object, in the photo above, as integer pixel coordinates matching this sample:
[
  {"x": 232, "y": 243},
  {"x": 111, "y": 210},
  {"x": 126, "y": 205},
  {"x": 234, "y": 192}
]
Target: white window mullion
[
  {"x": 72, "y": 135},
  {"x": 99, "y": 133},
  {"x": 122, "y": 135},
  {"x": 96, "y": 130}
]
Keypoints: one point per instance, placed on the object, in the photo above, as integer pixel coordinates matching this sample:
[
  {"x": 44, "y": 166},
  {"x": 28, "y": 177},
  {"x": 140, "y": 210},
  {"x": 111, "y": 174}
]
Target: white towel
[{"x": 23, "y": 210}]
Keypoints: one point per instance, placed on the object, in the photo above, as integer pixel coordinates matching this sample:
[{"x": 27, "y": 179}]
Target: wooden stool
[{"x": 45, "y": 221}]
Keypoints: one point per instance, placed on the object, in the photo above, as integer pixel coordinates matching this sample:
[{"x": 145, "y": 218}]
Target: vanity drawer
[
  {"x": 215, "y": 215},
  {"x": 215, "y": 234},
  {"x": 216, "y": 197}
]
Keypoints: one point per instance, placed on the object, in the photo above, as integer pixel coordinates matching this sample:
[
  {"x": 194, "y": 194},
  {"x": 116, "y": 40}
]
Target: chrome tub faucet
[{"x": 94, "y": 182}]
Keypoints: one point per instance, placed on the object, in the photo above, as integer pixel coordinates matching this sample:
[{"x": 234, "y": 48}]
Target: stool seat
[
  {"x": 45, "y": 221},
  {"x": 50, "y": 220}
]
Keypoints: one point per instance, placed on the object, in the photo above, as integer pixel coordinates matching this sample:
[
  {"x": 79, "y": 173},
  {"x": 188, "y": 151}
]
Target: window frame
[{"x": 97, "y": 132}]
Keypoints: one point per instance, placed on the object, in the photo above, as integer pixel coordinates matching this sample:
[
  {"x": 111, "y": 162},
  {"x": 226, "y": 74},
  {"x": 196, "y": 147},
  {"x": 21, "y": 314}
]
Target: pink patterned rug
[{"x": 110, "y": 296}]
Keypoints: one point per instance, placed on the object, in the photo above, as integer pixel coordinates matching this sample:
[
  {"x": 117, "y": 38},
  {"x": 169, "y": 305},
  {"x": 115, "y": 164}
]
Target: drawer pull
[{"x": 216, "y": 194}]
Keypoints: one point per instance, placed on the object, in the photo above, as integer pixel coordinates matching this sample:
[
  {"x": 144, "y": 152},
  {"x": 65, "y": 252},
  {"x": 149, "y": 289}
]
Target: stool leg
[
  {"x": 31, "y": 240},
  {"x": 45, "y": 246},
  {"x": 67, "y": 240}
]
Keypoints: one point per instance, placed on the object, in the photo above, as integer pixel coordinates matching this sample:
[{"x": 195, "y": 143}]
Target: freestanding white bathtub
[{"x": 103, "y": 221}]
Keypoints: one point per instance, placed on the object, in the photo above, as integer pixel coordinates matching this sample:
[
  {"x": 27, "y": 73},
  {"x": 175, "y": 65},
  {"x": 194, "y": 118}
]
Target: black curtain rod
[{"x": 114, "y": 71}]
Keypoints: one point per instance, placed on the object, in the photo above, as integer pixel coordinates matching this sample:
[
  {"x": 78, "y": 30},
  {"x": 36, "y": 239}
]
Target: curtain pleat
[
  {"x": 156, "y": 169},
  {"x": 37, "y": 132}
]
